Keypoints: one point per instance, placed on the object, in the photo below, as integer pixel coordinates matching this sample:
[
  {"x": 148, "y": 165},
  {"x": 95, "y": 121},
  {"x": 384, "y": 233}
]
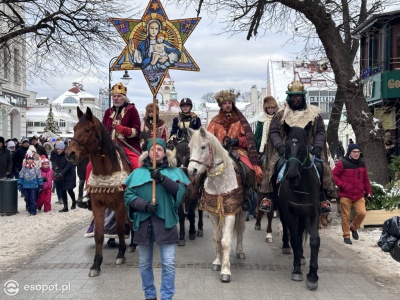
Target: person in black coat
[
  {"x": 19, "y": 158},
  {"x": 64, "y": 175},
  {"x": 39, "y": 149},
  {"x": 5, "y": 159},
  {"x": 81, "y": 170}
]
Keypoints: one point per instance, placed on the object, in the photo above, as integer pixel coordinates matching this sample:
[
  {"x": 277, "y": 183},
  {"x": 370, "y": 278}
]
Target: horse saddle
[{"x": 248, "y": 180}]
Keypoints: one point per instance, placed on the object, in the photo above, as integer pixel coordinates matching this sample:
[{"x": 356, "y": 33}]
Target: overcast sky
[{"x": 225, "y": 62}]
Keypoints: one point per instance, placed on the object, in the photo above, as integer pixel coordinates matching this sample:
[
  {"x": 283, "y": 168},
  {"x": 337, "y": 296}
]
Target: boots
[
  {"x": 73, "y": 206},
  {"x": 65, "y": 208}
]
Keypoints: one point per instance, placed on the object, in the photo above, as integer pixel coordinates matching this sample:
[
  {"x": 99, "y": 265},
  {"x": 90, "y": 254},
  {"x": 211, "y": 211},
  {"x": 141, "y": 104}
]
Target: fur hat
[
  {"x": 149, "y": 109},
  {"x": 1, "y": 140},
  {"x": 119, "y": 88},
  {"x": 227, "y": 95},
  {"x": 44, "y": 160},
  {"x": 270, "y": 101},
  {"x": 351, "y": 148}
]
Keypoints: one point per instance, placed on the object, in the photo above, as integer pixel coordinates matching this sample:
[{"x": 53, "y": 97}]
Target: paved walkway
[{"x": 264, "y": 274}]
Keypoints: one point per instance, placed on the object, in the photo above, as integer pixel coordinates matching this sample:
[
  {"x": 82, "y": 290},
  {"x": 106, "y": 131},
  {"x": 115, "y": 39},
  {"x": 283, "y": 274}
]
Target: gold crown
[
  {"x": 295, "y": 87},
  {"x": 119, "y": 88},
  {"x": 226, "y": 95}
]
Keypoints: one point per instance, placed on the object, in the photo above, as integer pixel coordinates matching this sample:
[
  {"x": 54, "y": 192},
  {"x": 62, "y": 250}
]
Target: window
[
  {"x": 17, "y": 73},
  {"x": 61, "y": 123},
  {"x": 7, "y": 60},
  {"x": 70, "y": 99}
]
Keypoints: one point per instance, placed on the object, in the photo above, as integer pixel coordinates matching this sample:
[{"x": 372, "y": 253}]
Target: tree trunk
[{"x": 334, "y": 121}]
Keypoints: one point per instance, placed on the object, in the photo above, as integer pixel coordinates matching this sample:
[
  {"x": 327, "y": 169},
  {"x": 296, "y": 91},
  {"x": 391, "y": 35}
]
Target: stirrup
[{"x": 265, "y": 205}]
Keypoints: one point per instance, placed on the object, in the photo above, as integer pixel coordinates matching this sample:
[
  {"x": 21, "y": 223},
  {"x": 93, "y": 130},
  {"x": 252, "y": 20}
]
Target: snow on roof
[
  {"x": 73, "y": 92},
  {"x": 37, "y": 113}
]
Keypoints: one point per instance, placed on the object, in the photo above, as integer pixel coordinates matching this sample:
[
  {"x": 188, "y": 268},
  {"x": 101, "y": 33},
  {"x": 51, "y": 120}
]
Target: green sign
[{"x": 391, "y": 84}]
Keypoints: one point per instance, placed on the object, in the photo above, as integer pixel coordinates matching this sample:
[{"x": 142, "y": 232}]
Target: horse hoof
[
  {"x": 225, "y": 278},
  {"x": 120, "y": 260},
  {"x": 199, "y": 233},
  {"x": 240, "y": 255},
  {"x": 269, "y": 240},
  {"x": 297, "y": 277},
  {"x": 312, "y": 286},
  {"x": 257, "y": 227},
  {"x": 216, "y": 267},
  {"x": 303, "y": 261},
  {"x": 94, "y": 273},
  {"x": 131, "y": 249},
  {"x": 181, "y": 243},
  {"x": 192, "y": 236},
  {"x": 286, "y": 250}
]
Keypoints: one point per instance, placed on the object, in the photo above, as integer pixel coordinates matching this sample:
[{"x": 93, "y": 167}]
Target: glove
[
  {"x": 156, "y": 174},
  {"x": 20, "y": 187},
  {"x": 233, "y": 142},
  {"x": 368, "y": 198},
  {"x": 281, "y": 150},
  {"x": 170, "y": 145},
  {"x": 316, "y": 151},
  {"x": 126, "y": 131},
  {"x": 44, "y": 179},
  {"x": 151, "y": 208}
]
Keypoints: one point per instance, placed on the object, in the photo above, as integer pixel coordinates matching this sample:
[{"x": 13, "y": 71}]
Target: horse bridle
[
  {"x": 210, "y": 166},
  {"x": 85, "y": 145}
]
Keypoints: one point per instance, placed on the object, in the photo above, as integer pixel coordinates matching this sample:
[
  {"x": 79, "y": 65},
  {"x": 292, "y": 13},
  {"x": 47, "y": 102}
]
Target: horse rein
[
  {"x": 84, "y": 145},
  {"x": 212, "y": 165}
]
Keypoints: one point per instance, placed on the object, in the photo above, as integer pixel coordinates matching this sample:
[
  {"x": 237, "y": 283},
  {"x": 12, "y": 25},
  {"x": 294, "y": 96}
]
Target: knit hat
[
  {"x": 29, "y": 155},
  {"x": 10, "y": 144},
  {"x": 44, "y": 160},
  {"x": 351, "y": 148},
  {"x": 24, "y": 140},
  {"x": 159, "y": 141},
  {"x": 60, "y": 145},
  {"x": 1, "y": 139},
  {"x": 32, "y": 148},
  {"x": 149, "y": 109}
]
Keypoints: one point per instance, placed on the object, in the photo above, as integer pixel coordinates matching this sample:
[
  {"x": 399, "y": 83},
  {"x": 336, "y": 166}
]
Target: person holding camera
[
  {"x": 156, "y": 222},
  {"x": 351, "y": 177}
]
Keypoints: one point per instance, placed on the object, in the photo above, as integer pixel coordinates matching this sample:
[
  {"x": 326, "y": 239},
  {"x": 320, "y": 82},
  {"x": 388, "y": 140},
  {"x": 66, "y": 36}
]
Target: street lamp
[{"x": 125, "y": 79}]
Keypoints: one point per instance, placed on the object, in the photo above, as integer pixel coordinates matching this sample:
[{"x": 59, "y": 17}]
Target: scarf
[{"x": 266, "y": 119}]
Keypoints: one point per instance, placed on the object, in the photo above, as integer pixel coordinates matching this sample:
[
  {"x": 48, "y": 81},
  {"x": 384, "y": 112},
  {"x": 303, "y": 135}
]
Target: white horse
[{"x": 222, "y": 196}]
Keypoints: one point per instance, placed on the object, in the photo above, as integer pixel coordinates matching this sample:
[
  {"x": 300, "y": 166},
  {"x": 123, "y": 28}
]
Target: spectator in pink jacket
[
  {"x": 351, "y": 177},
  {"x": 44, "y": 198}
]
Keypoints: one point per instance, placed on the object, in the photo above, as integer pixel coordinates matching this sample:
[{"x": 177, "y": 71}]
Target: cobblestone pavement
[{"x": 61, "y": 272}]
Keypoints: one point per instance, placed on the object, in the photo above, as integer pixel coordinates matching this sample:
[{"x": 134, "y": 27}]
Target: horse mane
[
  {"x": 108, "y": 146},
  {"x": 218, "y": 150}
]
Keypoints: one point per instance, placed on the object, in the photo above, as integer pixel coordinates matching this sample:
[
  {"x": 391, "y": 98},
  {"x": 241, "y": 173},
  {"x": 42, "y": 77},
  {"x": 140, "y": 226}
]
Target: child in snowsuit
[
  {"x": 44, "y": 198},
  {"x": 30, "y": 180}
]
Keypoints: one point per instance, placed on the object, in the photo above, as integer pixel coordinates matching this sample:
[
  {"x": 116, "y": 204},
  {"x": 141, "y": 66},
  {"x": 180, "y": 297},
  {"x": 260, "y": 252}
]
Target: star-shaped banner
[{"x": 155, "y": 44}]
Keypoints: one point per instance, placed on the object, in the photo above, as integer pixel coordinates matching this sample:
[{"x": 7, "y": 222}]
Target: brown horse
[{"x": 110, "y": 167}]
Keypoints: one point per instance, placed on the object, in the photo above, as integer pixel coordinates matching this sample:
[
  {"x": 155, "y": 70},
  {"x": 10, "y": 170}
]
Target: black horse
[
  {"x": 192, "y": 195},
  {"x": 299, "y": 195}
]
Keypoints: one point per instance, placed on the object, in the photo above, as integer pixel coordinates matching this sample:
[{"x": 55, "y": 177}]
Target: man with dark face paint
[{"x": 296, "y": 112}]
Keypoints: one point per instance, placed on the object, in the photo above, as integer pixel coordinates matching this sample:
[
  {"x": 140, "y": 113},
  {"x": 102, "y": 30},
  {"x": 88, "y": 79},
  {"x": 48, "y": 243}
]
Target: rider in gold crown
[{"x": 296, "y": 112}]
